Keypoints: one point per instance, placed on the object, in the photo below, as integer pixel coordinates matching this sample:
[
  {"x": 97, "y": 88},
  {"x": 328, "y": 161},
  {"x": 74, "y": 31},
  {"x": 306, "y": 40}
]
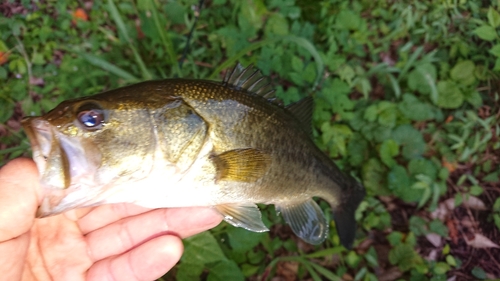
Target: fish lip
[{"x": 40, "y": 137}]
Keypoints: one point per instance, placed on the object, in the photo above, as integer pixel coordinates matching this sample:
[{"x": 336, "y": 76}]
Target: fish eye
[{"x": 91, "y": 116}]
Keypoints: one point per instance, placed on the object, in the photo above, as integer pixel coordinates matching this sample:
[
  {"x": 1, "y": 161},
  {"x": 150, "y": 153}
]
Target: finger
[
  {"x": 19, "y": 190},
  {"x": 125, "y": 234},
  {"x": 146, "y": 262},
  {"x": 13, "y": 252},
  {"x": 103, "y": 215}
]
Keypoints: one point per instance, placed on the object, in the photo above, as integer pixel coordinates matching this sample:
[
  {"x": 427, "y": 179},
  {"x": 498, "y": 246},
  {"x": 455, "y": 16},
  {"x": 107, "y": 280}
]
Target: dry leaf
[
  {"x": 450, "y": 166},
  {"x": 452, "y": 230},
  {"x": 474, "y": 203},
  {"x": 434, "y": 238},
  {"x": 4, "y": 57},
  {"x": 481, "y": 241}
]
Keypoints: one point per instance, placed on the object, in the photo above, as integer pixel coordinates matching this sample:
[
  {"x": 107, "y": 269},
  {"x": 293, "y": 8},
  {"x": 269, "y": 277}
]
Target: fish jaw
[{"x": 61, "y": 163}]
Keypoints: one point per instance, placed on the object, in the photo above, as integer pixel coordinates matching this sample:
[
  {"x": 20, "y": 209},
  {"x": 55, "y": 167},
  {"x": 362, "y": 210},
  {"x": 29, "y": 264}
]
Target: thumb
[
  {"x": 19, "y": 190},
  {"x": 18, "y": 203}
]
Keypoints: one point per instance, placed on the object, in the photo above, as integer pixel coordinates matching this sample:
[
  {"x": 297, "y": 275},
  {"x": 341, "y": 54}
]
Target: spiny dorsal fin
[
  {"x": 250, "y": 79},
  {"x": 303, "y": 111}
]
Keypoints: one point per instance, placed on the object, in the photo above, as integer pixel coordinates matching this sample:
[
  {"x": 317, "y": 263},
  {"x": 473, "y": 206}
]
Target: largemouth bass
[{"x": 186, "y": 142}]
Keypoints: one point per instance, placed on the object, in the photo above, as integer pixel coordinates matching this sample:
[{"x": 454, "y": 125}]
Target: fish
[{"x": 190, "y": 142}]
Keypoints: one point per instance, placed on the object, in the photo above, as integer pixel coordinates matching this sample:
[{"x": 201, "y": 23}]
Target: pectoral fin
[
  {"x": 247, "y": 216},
  {"x": 306, "y": 220},
  {"x": 246, "y": 165}
]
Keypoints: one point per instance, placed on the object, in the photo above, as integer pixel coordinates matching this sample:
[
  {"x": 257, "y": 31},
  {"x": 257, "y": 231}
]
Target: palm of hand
[{"x": 114, "y": 242}]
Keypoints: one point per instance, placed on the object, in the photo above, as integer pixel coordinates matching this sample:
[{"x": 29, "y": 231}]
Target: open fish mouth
[{"x": 59, "y": 159}]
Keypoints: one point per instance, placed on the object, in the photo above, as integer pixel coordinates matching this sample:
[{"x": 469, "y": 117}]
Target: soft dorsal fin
[
  {"x": 303, "y": 111},
  {"x": 250, "y": 79}
]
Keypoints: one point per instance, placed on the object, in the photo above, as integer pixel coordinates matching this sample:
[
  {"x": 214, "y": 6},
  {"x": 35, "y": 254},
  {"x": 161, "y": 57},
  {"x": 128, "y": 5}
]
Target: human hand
[{"x": 111, "y": 242}]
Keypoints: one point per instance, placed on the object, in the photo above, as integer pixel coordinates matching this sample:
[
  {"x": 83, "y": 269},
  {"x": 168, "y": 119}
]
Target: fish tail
[{"x": 343, "y": 214}]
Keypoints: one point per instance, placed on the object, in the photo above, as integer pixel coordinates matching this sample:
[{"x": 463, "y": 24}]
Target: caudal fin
[{"x": 344, "y": 213}]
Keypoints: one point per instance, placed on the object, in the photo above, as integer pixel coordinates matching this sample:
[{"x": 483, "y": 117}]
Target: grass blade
[
  {"x": 123, "y": 30},
  {"x": 395, "y": 85},
  {"x": 94, "y": 60},
  {"x": 165, "y": 38}
]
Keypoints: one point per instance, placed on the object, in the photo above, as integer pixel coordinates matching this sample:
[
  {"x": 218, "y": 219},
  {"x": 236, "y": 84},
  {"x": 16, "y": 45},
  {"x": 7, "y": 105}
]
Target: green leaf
[
  {"x": 276, "y": 25},
  {"x": 450, "y": 95},
  {"x": 347, "y": 19},
  {"x": 187, "y": 271},
  {"x": 357, "y": 150},
  {"x": 463, "y": 72},
  {"x": 404, "y": 256},
  {"x": 242, "y": 240},
  {"x": 478, "y": 273},
  {"x": 495, "y": 50},
  {"x": 493, "y": 17},
  {"x": 441, "y": 268},
  {"x": 486, "y": 32},
  {"x": 225, "y": 270},
  {"x": 438, "y": 227},
  {"x": 374, "y": 177},
  {"x": 412, "y": 108},
  {"x": 202, "y": 248},
  {"x": 424, "y": 167},
  {"x": 388, "y": 149},
  {"x": 423, "y": 78},
  {"x": 410, "y": 139}
]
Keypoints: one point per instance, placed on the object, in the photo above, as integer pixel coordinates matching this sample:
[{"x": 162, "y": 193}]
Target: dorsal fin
[
  {"x": 303, "y": 111},
  {"x": 249, "y": 79}
]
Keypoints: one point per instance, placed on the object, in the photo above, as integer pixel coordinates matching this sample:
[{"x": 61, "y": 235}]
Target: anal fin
[
  {"x": 306, "y": 220},
  {"x": 247, "y": 216}
]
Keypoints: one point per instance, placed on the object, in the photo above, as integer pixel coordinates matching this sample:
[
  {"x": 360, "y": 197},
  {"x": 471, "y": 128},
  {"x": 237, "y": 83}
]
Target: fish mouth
[{"x": 59, "y": 158}]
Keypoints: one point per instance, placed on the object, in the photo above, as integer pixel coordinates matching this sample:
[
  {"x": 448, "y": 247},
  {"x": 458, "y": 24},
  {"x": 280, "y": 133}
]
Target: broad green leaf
[
  {"x": 438, "y": 227},
  {"x": 388, "y": 149},
  {"x": 424, "y": 167},
  {"x": 347, "y": 19},
  {"x": 414, "y": 109},
  {"x": 486, "y": 32},
  {"x": 478, "y": 273},
  {"x": 463, "y": 72},
  {"x": 450, "y": 95},
  {"x": 225, "y": 270},
  {"x": 400, "y": 184},
  {"x": 357, "y": 150},
  {"x": 202, "y": 248},
  {"x": 495, "y": 50},
  {"x": 404, "y": 256},
  {"x": 374, "y": 177},
  {"x": 441, "y": 268},
  {"x": 423, "y": 78},
  {"x": 493, "y": 17},
  {"x": 242, "y": 240},
  {"x": 187, "y": 271},
  {"x": 410, "y": 139},
  {"x": 276, "y": 25}
]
